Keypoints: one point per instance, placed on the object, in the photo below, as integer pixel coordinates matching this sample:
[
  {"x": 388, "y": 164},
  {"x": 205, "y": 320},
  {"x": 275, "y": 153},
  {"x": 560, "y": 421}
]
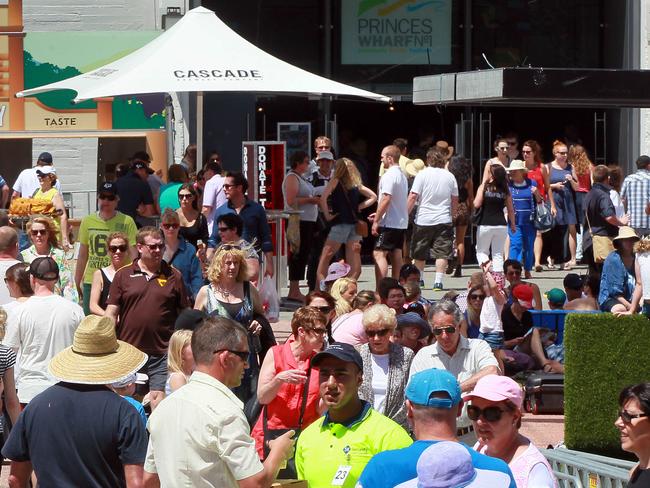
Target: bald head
[{"x": 8, "y": 241}]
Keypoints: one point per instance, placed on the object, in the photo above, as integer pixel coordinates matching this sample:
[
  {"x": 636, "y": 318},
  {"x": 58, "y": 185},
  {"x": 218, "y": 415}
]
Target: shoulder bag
[{"x": 601, "y": 245}]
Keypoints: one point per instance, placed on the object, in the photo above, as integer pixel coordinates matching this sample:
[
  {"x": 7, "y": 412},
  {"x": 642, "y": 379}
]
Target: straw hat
[
  {"x": 445, "y": 148},
  {"x": 96, "y": 357},
  {"x": 517, "y": 164},
  {"x": 626, "y": 232},
  {"x": 414, "y": 166}
]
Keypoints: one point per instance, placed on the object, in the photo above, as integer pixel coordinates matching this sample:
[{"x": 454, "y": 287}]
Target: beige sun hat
[
  {"x": 414, "y": 166},
  {"x": 625, "y": 232},
  {"x": 96, "y": 357},
  {"x": 516, "y": 164}
]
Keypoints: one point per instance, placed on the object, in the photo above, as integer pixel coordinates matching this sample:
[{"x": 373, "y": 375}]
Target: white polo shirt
[
  {"x": 393, "y": 183},
  {"x": 471, "y": 356},
  {"x": 199, "y": 437}
]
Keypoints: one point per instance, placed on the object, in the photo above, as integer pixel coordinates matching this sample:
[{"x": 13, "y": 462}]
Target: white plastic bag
[{"x": 270, "y": 299}]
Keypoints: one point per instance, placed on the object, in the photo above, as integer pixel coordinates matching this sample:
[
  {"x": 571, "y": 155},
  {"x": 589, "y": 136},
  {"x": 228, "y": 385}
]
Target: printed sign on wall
[{"x": 396, "y": 32}]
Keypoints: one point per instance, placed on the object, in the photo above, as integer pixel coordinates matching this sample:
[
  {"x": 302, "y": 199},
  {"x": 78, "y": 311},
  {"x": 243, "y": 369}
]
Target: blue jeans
[{"x": 522, "y": 243}]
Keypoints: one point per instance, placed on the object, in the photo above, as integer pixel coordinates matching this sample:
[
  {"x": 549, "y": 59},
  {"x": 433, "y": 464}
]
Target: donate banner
[{"x": 396, "y": 31}]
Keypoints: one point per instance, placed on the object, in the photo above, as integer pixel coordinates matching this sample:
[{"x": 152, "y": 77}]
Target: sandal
[{"x": 538, "y": 268}]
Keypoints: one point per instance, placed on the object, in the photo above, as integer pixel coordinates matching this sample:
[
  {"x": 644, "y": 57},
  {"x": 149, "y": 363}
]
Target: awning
[{"x": 597, "y": 88}]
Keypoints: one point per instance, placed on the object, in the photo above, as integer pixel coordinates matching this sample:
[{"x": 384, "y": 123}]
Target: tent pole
[{"x": 199, "y": 130}]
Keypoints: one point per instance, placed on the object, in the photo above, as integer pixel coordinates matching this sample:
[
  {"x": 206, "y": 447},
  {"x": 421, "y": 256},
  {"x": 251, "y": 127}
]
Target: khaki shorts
[{"x": 438, "y": 237}]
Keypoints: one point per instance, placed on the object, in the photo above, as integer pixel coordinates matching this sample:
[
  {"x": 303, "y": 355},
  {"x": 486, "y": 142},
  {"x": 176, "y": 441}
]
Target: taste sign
[{"x": 263, "y": 165}]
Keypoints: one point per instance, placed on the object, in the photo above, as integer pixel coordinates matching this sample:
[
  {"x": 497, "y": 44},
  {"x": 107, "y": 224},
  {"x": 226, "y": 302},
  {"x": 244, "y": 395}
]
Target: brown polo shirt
[{"x": 148, "y": 306}]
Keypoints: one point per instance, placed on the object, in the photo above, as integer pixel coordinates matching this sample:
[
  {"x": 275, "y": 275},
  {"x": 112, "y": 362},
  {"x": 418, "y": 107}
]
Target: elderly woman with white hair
[{"x": 385, "y": 365}]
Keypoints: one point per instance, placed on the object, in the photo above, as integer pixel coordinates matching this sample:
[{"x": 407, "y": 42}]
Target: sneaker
[{"x": 437, "y": 287}]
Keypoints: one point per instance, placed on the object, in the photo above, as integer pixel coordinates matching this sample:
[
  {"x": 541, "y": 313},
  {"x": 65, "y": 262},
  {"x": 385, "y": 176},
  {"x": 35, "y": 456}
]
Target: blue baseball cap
[
  {"x": 424, "y": 384},
  {"x": 342, "y": 351}
]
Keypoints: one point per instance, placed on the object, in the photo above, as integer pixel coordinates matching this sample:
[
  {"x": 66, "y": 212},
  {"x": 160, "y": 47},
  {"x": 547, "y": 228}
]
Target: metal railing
[{"x": 584, "y": 470}]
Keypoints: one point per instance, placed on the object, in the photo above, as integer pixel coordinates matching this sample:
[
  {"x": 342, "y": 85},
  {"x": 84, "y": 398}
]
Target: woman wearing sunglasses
[
  {"x": 45, "y": 242},
  {"x": 168, "y": 198},
  {"x": 325, "y": 303},
  {"x": 385, "y": 365},
  {"x": 495, "y": 411},
  {"x": 633, "y": 423},
  {"x": 194, "y": 227},
  {"x": 118, "y": 251}
]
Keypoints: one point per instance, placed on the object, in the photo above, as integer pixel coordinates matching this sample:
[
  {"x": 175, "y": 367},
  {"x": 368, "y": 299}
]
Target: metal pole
[
  {"x": 199, "y": 130},
  {"x": 169, "y": 128}
]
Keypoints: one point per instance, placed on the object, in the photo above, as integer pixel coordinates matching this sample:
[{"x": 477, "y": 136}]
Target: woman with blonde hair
[
  {"x": 343, "y": 291},
  {"x": 385, "y": 365},
  {"x": 346, "y": 190},
  {"x": 348, "y": 327},
  {"x": 42, "y": 232},
  {"x": 47, "y": 191},
  {"x": 117, "y": 245},
  {"x": 180, "y": 362},
  {"x": 582, "y": 168}
]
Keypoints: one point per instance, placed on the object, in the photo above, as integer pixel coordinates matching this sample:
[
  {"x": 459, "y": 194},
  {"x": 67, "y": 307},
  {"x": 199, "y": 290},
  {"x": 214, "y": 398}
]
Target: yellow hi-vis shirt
[{"x": 330, "y": 454}]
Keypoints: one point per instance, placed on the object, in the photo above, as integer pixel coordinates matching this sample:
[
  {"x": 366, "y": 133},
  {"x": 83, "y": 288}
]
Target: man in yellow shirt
[{"x": 334, "y": 450}]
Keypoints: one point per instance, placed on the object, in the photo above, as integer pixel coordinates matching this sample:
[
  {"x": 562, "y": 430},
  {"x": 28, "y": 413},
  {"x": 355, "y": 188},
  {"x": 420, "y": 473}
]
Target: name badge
[{"x": 341, "y": 475}]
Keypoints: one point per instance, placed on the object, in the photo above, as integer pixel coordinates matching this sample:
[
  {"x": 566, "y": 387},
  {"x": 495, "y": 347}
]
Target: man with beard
[{"x": 334, "y": 450}]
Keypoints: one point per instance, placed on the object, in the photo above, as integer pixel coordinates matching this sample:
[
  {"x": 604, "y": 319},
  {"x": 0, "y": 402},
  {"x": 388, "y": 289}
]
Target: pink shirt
[{"x": 349, "y": 329}]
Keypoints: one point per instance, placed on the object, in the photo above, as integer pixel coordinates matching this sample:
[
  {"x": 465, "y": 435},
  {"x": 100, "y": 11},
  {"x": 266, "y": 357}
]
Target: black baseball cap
[
  {"x": 108, "y": 187},
  {"x": 573, "y": 281},
  {"x": 342, "y": 351},
  {"x": 44, "y": 268},
  {"x": 46, "y": 157},
  {"x": 189, "y": 319}
]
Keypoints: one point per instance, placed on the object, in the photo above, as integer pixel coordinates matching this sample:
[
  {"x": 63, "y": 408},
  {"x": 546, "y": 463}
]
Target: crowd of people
[{"x": 375, "y": 387}]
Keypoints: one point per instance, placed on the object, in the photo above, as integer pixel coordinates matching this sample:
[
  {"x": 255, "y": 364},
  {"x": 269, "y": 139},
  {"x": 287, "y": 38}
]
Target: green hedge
[{"x": 603, "y": 354}]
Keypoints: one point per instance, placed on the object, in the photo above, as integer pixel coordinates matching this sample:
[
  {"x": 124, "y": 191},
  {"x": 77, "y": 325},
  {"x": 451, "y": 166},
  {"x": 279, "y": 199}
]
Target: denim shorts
[
  {"x": 156, "y": 369},
  {"x": 343, "y": 233},
  {"x": 494, "y": 339}
]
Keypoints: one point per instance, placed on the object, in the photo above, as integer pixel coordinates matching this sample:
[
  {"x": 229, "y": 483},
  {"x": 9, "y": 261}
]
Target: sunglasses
[
  {"x": 185, "y": 196},
  {"x": 224, "y": 229},
  {"x": 439, "y": 330},
  {"x": 230, "y": 247},
  {"x": 170, "y": 226},
  {"x": 319, "y": 331},
  {"x": 107, "y": 197},
  {"x": 39, "y": 232},
  {"x": 475, "y": 296},
  {"x": 324, "y": 309},
  {"x": 243, "y": 355},
  {"x": 121, "y": 248},
  {"x": 155, "y": 247},
  {"x": 377, "y": 333},
  {"x": 627, "y": 417},
  {"x": 526, "y": 151},
  {"x": 561, "y": 153},
  {"x": 502, "y": 148},
  {"x": 490, "y": 414}
]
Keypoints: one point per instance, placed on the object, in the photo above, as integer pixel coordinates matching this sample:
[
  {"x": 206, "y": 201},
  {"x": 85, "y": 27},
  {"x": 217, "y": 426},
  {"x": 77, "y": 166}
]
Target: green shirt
[
  {"x": 324, "y": 447},
  {"x": 94, "y": 232}
]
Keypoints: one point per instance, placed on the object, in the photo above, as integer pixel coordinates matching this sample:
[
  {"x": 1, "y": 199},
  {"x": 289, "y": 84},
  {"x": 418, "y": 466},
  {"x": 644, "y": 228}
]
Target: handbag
[
  {"x": 269, "y": 434},
  {"x": 293, "y": 233},
  {"x": 477, "y": 215},
  {"x": 543, "y": 219},
  {"x": 361, "y": 227},
  {"x": 601, "y": 245}
]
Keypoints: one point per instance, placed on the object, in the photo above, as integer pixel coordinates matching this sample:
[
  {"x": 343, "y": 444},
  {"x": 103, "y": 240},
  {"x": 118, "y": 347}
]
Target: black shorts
[
  {"x": 156, "y": 369},
  {"x": 390, "y": 239},
  {"x": 439, "y": 238}
]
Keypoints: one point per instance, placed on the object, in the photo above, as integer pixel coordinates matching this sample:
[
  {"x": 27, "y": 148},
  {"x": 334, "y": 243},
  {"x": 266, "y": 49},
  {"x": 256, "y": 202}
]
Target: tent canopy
[{"x": 199, "y": 53}]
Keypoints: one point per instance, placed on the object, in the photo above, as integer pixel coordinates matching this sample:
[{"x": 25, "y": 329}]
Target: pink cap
[
  {"x": 337, "y": 270},
  {"x": 497, "y": 388}
]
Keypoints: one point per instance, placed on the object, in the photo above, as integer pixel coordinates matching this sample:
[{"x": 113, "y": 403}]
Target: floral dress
[{"x": 65, "y": 286}]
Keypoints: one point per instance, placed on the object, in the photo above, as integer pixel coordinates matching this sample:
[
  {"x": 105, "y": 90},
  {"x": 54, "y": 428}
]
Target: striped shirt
[
  {"x": 7, "y": 359},
  {"x": 636, "y": 193}
]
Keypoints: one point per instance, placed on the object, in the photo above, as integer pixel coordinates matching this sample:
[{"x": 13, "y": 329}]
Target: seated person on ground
[
  {"x": 588, "y": 298},
  {"x": 512, "y": 270}
]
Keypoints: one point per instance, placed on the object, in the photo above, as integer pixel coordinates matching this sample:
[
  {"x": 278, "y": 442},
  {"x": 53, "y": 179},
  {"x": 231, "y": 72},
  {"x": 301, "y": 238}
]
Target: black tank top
[
  {"x": 494, "y": 202},
  {"x": 640, "y": 479}
]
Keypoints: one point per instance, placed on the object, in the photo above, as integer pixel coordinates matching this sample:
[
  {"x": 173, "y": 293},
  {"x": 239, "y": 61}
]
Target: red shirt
[
  {"x": 536, "y": 175},
  {"x": 148, "y": 306}
]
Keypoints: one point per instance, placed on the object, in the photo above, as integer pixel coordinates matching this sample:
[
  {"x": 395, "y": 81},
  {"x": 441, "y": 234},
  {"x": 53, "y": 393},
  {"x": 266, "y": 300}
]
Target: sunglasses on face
[
  {"x": 170, "y": 226},
  {"x": 439, "y": 330},
  {"x": 502, "y": 148},
  {"x": 121, "y": 248},
  {"x": 319, "y": 331},
  {"x": 39, "y": 232},
  {"x": 185, "y": 196},
  {"x": 107, "y": 197},
  {"x": 490, "y": 414},
  {"x": 155, "y": 247},
  {"x": 324, "y": 309},
  {"x": 243, "y": 355},
  {"x": 224, "y": 229},
  {"x": 476, "y": 296},
  {"x": 561, "y": 153},
  {"x": 377, "y": 333},
  {"x": 526, "y": 151},
  {"x": 230, "y": 247},
  {"x": 627, "y": 417}
]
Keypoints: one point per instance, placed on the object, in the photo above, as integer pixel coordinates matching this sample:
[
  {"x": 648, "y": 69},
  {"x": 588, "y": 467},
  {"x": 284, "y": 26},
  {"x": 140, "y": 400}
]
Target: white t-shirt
[
  {"x": 490, "y": 317},
  {"x": 393, "y": 183},
  {"x": 45, "y": 326},
  {"x": 435, "y": 187},
  {"x": 27, "y": 182},
  {"x": 615, "y": 197},
  {"x": 379, "y": 379},
  {"x": 4, "y": 291},
  {"x": 213, "y": 197},
  {"x": 644, "y": 267}
]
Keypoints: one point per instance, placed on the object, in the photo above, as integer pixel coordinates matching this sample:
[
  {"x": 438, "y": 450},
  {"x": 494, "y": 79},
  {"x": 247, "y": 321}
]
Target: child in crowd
[
  {"x": 491, "y": 327},
  {"x": 556, "y": 298},
  {"x": 413, "y": 294},
  {"x": 180, "y": 362},
  {"x": 126, "y": 389},
  {"x": 410, "y": 273}
]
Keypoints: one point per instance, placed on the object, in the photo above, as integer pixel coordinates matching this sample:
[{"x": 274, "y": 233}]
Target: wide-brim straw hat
[
  {"x": 414, "y": 166},
  {"x": 517, "y": 164},
  {"x": 626, "y": 232},
  {"x": 446, "y": 148},
  {"x": 96, "y": 357}
]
